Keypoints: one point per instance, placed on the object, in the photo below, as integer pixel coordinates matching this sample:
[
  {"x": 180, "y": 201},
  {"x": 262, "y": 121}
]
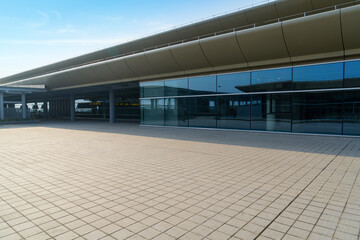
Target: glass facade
[
  {"x": 202, "y": 85},
  {"x": 152, "y": 89},
  {"x": 233, "y": 83},
  {"x": 152, "y": 111},
  {"x": 271, "y": 80},
  {"x": 234, "y": 112},
  {"x": 271, "y": 112},
  {"x": 352, "y": 74},
  {"x": 319, "y": 76},
  {"x": 176, "y": 112},
  {"x": 93, "y": 107},
  {"x": 302, "y": 99},
  {"x": 176, "y": 87},
  {"x": 351, "y": 116},
  {"x": 202, "y": 112},
  {"x": 317, "y": 113}
]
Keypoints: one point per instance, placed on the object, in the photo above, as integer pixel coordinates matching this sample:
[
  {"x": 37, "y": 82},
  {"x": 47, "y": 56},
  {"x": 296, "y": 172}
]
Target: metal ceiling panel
[
  {"x": 169, "y": 36},
  {"x": 190, "y": 56},
  {"x": 208, "y": 27},
  {"x": 67, "y": 78},
  {"x": 120, "y": 68},
  {"x": 163, "y": 61},
  {"x": 102, "y": 70},
  {"x": 314, "y": 37},
  {"x": 262, "y": 13},
  {"x": 152, "y": 41},
  {"x": 113, "y": 51},
  {"x": 146, "y": 42},
  {"x": 88, "y": 76},
  {"x": 350, "y": 19},
  {"x": 318, "y": 4},
  {"x": 188, "y": 32},
  {"x": 139, "y": 64},
  {"x": 233, "y": 20},
  {"x": 223, "y": 51},
  {"x": 263, "y": 45},
  {"x": 287, "y": 8},
  {"x": 126, "y": 48}
]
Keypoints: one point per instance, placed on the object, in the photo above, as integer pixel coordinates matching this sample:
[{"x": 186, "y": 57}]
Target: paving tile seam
[
  {"x": 256, "y": 237},
  {"x": 250, "y": 204},
  {"x": 347, "y": 201},
  {"x": 304, "y": 209}
]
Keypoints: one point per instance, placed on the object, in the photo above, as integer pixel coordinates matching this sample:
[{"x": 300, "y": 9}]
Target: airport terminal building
[{"x": 286, "y": 65}]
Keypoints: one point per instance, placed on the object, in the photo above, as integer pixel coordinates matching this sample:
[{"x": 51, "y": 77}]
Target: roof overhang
[{"x": 330, "y": 35}]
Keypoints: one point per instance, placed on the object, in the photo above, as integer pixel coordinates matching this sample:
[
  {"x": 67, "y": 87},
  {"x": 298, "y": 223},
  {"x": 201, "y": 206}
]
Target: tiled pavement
[{"x": 60, "y": 180}]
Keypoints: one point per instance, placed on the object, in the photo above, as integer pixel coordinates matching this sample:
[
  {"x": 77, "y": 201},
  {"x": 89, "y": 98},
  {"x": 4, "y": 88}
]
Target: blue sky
[{"x": 34, "y": 33}]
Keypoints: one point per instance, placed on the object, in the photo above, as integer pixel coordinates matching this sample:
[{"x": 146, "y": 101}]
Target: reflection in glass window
[
  {"x": 271, "y": 112},
  {"x": 152, "y": 89},
  {"x": 271, "y": 80},
  {"x": 176, "y": 87},
  {"x": 152, "y": 111},
  {"x": 234, "y": 112},
  {"x": 319, "y": 76},
  {"x": 317, "y": 113},
  {"x": 176, "y": 112},
  {"x": 92, "y": 107},
  {"x": 233, "y": 83},
  {"x": 352, "y": 74},
  {"x": 351, "y": 113},
  {"x": 127, "y": 105},
  {"x": 202, "y": 112},
  {"x": 202, "y": 85}
]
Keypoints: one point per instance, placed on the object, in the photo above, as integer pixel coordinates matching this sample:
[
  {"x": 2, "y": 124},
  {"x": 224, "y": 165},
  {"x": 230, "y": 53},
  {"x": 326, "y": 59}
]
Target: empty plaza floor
[{"x": 93, "y": 180}]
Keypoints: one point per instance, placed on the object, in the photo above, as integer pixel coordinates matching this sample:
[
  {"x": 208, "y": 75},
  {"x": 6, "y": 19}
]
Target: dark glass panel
[
  {"x": 176, "y": 87},
  {"x": 90, "y": 107},
  {"x": 271, "y": 80},
  {"x": 317, "y": 112},
  {"x": 152, "y": 89},
  {"x": 202, "y": 112},
  {"x": 271, "y": 112},
  {"x": 351, "y": 113},
  {"x": 233, "y": 83},
  {"x": 127, "y": 106},
  {"x": 152, "y": 111},
  {"x": 319, "y": 76},
  {"x": 202, "y": 85},
  {"x": 234, "y": 112},
  {"x": 176, "y": 112},
  {"x": 352, "y": 74}
]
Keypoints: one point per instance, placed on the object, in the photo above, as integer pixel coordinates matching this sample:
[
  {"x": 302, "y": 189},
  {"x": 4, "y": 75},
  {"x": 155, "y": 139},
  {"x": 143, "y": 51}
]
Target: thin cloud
[
  {"x": 44, "y": 19},
  {"x": 57, "y": 14},
  {"x": 63, "y": 42},
  {"x": 114, "y": 18},
  {"x": 67, "y": 29}
]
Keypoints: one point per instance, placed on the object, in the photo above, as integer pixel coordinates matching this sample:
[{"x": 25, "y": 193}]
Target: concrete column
[
  {"x": 72, "y": 107},
  {"x": 23, "y": 104},
  {"x": 57, "y": 114},
  {"x": 112, "y": 106},
  {"x": 2, "y": 116},
  {"x": 270, "y": 117},
  {"x": 51, "y": 109},
  {"x": 46, "y": 110}
]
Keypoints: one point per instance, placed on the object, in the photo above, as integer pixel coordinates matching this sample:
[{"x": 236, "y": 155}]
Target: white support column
[
  {"x": 2, "y": 116},
  {"x": 46, "y": 112},
  {"x": 24, "y": 107},
  {"x": 112, "y": 105},
  {"x": 72, "y": 107}
]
